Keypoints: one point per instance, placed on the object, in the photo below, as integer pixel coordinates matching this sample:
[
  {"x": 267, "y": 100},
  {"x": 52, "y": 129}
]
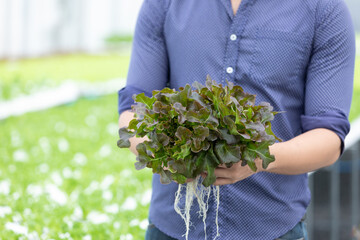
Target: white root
[
  {"x": 189, "y": 197},
  {"x": 202, "y": 194},
  {"x": 176, "y": 203},
  {"x": 216, "y": 190}
]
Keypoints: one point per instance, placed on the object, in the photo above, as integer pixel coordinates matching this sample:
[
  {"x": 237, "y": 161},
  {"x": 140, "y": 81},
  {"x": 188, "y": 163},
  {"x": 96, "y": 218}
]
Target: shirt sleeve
[
  {"x": 148, "y": 68},
  {"x": 330, "y": 73}
]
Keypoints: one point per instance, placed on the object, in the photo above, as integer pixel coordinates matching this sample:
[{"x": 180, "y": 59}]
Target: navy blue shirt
[{"x": 297, "y": 55}]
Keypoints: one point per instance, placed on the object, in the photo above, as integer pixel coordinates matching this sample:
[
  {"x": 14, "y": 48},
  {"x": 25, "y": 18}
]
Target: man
[{"x": 297, "y": 55}]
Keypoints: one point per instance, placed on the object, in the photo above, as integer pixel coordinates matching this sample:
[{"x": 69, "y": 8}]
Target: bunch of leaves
[{"x": 195, "y": 131}]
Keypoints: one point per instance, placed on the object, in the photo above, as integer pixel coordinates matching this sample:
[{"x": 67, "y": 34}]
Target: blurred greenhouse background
[
  {"x": 61, "y": 174},
  {"x": 42, "y": 27}
]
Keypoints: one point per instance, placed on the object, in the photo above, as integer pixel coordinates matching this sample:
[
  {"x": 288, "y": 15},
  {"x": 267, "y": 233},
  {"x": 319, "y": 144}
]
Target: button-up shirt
[{"x": 297, "y": 55}]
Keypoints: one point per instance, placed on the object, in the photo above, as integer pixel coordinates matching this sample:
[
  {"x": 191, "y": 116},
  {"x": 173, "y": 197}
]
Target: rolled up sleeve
[
  {"x": 148, "y": 68},
  {"x": 330, "y": 74},
  {"x": 125, "y": 99}
]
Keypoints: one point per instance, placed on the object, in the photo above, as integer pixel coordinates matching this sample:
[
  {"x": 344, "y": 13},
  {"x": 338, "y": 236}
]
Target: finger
[
  {"x": 222, "y": 166},
  {"x": 222, "y": 181},
  {"x": 223, "y": 172}
]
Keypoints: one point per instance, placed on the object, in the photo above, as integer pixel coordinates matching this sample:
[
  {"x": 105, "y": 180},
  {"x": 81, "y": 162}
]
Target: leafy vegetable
[{"x": 194, "y": 131}]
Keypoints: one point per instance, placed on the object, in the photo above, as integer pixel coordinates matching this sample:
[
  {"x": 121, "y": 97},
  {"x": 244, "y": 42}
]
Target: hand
[{"x": 235, "y": 173}]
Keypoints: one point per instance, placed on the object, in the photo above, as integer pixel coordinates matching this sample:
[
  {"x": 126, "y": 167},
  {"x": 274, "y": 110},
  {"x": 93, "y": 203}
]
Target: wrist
[
  {"x": 259, "y": 165},
  {"x": 273, "y": 151}
]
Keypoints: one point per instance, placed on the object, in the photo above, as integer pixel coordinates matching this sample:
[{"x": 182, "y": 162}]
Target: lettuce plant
[{"x": 194, "y": 131}]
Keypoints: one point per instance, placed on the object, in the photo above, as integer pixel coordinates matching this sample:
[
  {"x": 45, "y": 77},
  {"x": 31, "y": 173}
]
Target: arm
[
  {"x": 307, "y": 152},
  {"x": 148, "y": 68}
]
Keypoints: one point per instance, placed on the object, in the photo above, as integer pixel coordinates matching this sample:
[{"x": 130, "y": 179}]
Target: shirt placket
[
  {"x": 230, "y": 66},
  {"x": 234, "y": 40}
]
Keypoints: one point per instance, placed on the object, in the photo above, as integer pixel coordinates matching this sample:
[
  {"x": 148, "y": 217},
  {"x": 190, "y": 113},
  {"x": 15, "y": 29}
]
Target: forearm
[
  {"x": 124, "y": 120},
  {"x": 307, "y": 152}
]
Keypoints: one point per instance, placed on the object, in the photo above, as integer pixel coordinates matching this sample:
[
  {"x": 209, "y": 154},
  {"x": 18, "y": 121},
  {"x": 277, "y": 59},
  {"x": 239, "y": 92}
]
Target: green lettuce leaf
[{"x": 193, "y": 131}]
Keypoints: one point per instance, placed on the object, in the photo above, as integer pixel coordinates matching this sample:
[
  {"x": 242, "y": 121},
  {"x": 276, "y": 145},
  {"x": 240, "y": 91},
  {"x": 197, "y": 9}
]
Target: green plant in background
[
  {"x": 119, "y": 38},
  {"x": 63, "y": 175},
  {"x": 118, "y": 42},
  {"x": 355, "y": 105},
  {"x": 31, "y": 75}
]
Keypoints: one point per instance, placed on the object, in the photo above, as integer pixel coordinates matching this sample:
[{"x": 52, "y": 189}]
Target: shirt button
[
  {"x": 229, "y": 70},
  {"x": 233, "y": 37}
]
